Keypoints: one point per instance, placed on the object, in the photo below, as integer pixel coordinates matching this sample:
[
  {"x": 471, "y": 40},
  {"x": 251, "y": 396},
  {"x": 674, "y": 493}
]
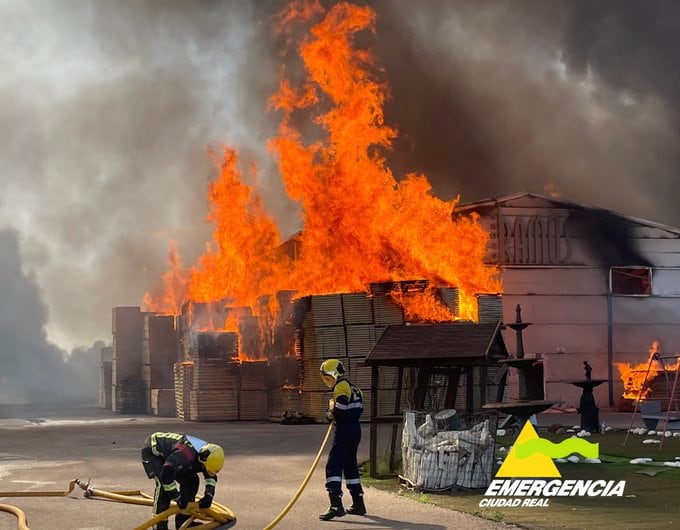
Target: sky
[{"x": 109, "y": 108}]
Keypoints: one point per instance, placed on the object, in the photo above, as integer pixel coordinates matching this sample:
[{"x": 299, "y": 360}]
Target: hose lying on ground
[
  {"x": 278, "y": 518},
  {"x": 20, "y": 515},
  {"x": 215, "y": 516},
  {"x": 217, "y": 513}
]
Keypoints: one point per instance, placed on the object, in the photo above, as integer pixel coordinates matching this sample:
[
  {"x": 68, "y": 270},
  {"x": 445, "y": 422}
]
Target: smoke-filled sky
[{"x": 108, "y": 109}]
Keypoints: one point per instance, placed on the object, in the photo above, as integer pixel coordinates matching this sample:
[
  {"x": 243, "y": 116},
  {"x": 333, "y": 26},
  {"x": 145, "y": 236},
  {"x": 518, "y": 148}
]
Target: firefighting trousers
[
  {"x": 188, "y": 488},
  {"x": 342, "y": 461}
]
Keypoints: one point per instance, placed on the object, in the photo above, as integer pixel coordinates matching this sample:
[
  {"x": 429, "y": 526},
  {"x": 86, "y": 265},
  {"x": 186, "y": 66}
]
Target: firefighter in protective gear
[
  {"x": 347, "y": 406},
  {"x": 174, "y": 461}
]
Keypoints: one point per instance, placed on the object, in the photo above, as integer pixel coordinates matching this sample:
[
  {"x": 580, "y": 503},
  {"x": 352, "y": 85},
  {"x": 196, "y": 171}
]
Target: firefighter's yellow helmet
[
  {"x": 332, "y": 368},
  {"x": 212, "y": 458}
]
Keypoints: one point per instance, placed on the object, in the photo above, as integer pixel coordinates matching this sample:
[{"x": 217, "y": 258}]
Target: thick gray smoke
[
  {"x": 108, "y": 108},
  {"x": 31, "y": 368},
  {"x": 496, "y": 97}
]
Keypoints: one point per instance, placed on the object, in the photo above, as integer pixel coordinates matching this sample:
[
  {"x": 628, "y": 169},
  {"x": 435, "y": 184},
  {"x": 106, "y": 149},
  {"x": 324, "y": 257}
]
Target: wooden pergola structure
[{"x": 453, "y": 354}]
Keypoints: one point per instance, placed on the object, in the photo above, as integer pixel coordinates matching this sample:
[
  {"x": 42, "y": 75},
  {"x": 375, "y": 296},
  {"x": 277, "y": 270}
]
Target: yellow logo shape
[{"x": 535, "y": 465}]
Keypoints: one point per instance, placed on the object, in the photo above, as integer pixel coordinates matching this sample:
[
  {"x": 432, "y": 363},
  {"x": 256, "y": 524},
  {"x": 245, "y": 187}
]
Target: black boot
[
  {"x": 336, "y": 509},
  {"x": 358, "y": 507},
  {"x": 163, "y": 525}
]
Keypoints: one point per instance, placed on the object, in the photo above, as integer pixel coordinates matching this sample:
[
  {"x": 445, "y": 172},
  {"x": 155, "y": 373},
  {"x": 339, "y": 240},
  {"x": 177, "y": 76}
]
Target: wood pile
[
  {"x": 253, "y": 395},
  {"x": 184, "y": 373},
  {"x": 489, "y": 308},
  {"x": 345, "y": 327},
  {"x": 163, "y": 402},
  {"x": 214, "y": 391},
  {"x": 213, "y": 405},
  {"x": 127, "y": 387},
  {"x": 129, "y": 397},
  {"x": 159, "y": 353}
]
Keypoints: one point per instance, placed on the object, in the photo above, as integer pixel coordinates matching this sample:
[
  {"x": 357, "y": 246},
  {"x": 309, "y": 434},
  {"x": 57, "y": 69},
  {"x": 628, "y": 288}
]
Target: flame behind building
[{"x": 360, "y": 225}]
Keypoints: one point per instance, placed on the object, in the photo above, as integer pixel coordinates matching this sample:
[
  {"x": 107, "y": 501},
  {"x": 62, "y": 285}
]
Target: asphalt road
[{"x": 265, "y": 464}]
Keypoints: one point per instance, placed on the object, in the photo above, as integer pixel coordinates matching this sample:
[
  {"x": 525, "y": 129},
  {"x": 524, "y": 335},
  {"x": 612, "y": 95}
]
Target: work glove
[
  {"x": 206, "y": 501},
  {"x": 329, "y": 416}
]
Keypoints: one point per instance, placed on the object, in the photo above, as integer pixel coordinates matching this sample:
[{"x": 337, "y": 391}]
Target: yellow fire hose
[
  {"x": 278, "y": 518},
  {"x": 21, "y": 516},
  {"x": 217, "y": 514},
  {"x": 60, "y": 493}
]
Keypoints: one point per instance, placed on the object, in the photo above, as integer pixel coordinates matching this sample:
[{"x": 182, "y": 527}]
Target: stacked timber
[
  {"x": 105, "y": 376},
  {"x": 291, "y": 400},
  {"x": 449, "y": 297},
  {"x": 214, "y": 393},
  {"x": 213, "y": 345},
  {"x": 128, "y": 395},
  {"x": 285, "y": 397},
  {"x": 127, "y": 386},
  {"x": 184, "y": 376},
  {"x": 321, "y": 337},
  {"x": 489, "y": 308},
  {"x": 253, "y": 395},
  {"x": 159, "y": 354},
  {"x": 345, "y": 327},
  {"x": 163, "y": 402}
]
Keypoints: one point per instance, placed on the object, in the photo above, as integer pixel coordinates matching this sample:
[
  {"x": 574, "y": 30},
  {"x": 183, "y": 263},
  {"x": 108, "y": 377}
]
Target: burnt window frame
[{"x": 645, "y": 290}]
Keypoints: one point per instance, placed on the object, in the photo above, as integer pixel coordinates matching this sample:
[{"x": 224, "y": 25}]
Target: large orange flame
[
  {"x": 169, "y": 301},
  {"x": 639, "y": 378},
  {"x": 240, "y": 263},
  {"x": 360, "y": 224}
]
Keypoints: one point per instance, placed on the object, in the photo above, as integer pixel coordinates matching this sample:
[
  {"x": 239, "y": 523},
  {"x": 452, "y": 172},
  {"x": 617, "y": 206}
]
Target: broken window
[{"x": 631, "y": 281}]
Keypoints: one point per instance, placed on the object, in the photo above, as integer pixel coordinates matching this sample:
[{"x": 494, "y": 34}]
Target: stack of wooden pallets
[
  {"x": 163, "y": 402},
  {"x": 159, "y": 354},
  {"x": 345, "y": 327},
  {"x": 253, "y": 395},
  {"x": 214, "y": 393},
  {"x": 183, "y": 372},
  {"x": 127, "y": 387}
]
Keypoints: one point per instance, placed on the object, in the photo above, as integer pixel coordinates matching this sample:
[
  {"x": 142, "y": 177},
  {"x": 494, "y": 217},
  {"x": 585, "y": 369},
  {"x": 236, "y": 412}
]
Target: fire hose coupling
[{"x": 85, "y": 487}]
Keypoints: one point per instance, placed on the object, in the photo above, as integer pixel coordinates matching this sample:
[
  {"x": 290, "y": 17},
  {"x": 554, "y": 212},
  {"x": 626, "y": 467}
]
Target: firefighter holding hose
[
  {"x": 174, "y": 461},
  {"x": 347, "y": 406}
]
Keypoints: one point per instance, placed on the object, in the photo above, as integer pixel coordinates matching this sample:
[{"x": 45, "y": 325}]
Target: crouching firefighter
[
  {"x": 174, "y": 461},
  {"x": 346, "y": 409}
]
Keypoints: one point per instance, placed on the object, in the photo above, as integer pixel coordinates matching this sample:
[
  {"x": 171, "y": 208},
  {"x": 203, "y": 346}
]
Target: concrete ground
[{"x": 265, "y": 464}]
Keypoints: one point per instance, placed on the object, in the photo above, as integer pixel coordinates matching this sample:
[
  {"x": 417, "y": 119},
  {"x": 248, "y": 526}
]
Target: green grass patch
[{"x": 649, "y": 501}]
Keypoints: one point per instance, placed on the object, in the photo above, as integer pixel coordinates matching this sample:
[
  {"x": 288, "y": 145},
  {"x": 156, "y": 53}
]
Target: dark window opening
[{"x": 631, "y": 280}]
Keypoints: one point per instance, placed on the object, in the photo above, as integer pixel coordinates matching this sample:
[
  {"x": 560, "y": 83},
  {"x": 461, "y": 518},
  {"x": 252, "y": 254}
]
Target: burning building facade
[{"x": 598, "y": 286}]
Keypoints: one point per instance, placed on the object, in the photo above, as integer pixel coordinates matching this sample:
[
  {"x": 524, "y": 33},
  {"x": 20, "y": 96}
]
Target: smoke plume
[{"x": 108, "y": 108}]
